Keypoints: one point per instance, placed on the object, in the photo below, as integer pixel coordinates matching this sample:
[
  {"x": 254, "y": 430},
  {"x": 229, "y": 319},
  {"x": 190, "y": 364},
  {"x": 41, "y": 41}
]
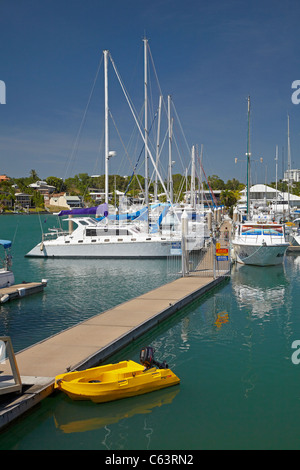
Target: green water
[{"x": 239, "y": 387}]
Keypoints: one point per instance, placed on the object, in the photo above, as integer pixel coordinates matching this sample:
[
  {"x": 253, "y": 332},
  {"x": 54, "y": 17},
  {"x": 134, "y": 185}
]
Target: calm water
[{"x": 239, "y": 388}]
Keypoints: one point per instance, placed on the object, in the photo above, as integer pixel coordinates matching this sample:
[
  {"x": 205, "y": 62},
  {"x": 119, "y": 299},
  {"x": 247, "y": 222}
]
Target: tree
[
  {"x": 215, "y": 182},
  {"x": 234, "y": 185},
  {"x": 38, "y": 199},
  {"x": 33, "y": 176},
  {"x": 229, "y": 198},
  {"x": 57, "y": 182}
]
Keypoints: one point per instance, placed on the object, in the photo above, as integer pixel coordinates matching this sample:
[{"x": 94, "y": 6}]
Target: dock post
[{"x": 184, "y": 245}]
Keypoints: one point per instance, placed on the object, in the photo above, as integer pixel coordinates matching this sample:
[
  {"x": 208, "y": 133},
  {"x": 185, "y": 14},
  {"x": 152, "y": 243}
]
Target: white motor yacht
[{"x": 259, "y": 244}]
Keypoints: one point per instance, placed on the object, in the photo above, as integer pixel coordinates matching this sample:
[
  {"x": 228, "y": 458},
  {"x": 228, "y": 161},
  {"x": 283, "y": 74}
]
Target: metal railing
[{"x": 213, "y": 260}]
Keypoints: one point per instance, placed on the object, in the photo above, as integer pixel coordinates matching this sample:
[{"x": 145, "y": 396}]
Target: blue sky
[{"x": 209, "y": 56}]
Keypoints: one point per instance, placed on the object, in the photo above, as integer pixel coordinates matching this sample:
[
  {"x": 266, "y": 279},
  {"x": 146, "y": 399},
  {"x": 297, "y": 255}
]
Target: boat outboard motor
[{"x": 147, "y": 359}]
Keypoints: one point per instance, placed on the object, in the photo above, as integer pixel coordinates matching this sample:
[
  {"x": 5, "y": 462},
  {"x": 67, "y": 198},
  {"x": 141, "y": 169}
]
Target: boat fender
[
  {"x": 42, "y": 246},
  {"x": 4, "y": 298}
]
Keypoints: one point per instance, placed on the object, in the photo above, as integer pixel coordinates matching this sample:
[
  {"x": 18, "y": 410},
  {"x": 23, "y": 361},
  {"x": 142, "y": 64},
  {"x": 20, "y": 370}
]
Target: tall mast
[
  {"x": 170, "y": 179},
  {"x": 289, "y": 166},
  {"x": 248, "y": 159},
  {"x": 276, "y": 160},
  {"x": 106, "y": 123},
  {"x": 157, "y": 147},
  {"x": 146, "y": 123},
  {"x": 193, "y": 179},
  {"x": 201, "y": 176}
]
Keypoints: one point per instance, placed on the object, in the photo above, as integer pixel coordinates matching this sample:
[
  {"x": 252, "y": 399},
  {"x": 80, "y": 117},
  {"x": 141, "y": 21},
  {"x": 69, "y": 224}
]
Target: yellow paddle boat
[{"x": 115, "y": 381}]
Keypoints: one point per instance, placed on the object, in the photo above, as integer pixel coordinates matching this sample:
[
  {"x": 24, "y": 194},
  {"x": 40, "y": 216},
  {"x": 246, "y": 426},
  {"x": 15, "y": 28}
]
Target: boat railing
[{"x": 54, "y": 233}]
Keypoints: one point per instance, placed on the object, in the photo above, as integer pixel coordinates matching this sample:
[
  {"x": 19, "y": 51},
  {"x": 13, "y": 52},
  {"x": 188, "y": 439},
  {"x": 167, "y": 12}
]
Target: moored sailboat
[{"x": 259, "y": 244}]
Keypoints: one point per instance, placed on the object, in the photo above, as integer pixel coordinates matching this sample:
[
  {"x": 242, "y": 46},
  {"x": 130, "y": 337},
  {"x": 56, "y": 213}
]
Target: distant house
[
  {"x": 261, "y": 194},
  {"x": 208, "y": 198},
  {"x": 43, "y": 188},
  {"x": 292, "y": 175},
  {"x": 4, "y": 178},
  {"x": 23, "y": 200},
  {"x": 5, "y": 200},
  {"x": 98, "y": 195},
  {"x": 66, "y": 201}
]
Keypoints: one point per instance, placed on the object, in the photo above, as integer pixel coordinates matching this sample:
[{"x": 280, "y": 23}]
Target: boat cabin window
[
  {"x": 274, "y": 232},
  {"x": 262, "y": 230},
  {"x": 88, "y": 221},
  {"x": 101, "y": 232},
  {"x": 251, "y": 231},
  {"x": 91, "y": 232}
]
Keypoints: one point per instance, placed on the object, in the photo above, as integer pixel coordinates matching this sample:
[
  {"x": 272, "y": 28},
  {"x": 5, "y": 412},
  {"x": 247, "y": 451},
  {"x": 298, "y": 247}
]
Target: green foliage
[
  {"x": 82, "y": 183},
  {"x": 58, "y": 183},
  {"x": 229, "y": 198}
]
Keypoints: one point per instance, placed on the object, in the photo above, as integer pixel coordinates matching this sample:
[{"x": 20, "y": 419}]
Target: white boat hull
[
  {"x": 150, "y": 249},
  {"x": 93, "y": 240},
  {"x": 7, "y": 278},
  {"x": 263, "y": 255}
]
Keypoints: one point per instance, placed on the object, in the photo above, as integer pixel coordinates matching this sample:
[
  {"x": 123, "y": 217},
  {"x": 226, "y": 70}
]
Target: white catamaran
[{"x": 99, "y": 239}]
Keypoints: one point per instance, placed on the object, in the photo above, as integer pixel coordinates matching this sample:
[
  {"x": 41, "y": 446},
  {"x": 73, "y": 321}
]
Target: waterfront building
[
  {"x": 292, "y": 175},
  {"x": 65, "y": 201}
]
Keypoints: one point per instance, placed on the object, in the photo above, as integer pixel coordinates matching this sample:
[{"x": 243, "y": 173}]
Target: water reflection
[
  {"x": 295, "y": 259},
  {"x": 260, "y": 289},
  {"x": 77, "y": 417}
]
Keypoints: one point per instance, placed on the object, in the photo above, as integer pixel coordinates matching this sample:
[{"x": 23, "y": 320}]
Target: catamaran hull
[
  {"x": 101, "y": 250},
  {"x": 263, "y": 255}
]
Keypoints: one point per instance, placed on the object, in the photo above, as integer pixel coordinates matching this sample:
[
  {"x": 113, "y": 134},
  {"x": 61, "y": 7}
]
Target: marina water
[{"x": 239, "y": 386}]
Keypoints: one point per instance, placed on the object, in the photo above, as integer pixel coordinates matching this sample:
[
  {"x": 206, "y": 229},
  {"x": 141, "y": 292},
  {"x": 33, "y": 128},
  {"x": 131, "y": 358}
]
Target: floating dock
[
  {"x": 21, "y": 290},
  {"x": 293, "y": 249},
  {"x": 96, "y": 339}
]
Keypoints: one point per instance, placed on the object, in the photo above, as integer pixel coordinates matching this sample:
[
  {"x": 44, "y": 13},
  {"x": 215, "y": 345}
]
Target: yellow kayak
[{"x": 115, "y": 381}]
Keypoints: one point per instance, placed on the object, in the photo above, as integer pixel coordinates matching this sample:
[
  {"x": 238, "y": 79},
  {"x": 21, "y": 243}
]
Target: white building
[
  {"x": 65, "y": 201},
  {"x": 264, "y": 195},
  {"x": 294, "y": 176},
  {"x": 43, "y": 188}
]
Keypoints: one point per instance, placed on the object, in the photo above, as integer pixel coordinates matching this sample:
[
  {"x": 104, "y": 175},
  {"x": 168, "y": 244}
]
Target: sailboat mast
[
  {"x": 276, "y": 159},
  {"x": 106, "y": 145},
  {"x": 201, "y": 177},
  {"x": 193, "y": 179},
  {"x": 146, "y": 121},
  {"x": 289, "y": 167},
  {"x": 248, "y": 159},
  {"x": 170, "y": 178},
  {"x": 157, "y": 148}
]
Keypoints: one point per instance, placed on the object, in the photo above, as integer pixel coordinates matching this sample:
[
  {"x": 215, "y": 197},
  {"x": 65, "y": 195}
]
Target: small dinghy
[{"x": 116, "y": 381}]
